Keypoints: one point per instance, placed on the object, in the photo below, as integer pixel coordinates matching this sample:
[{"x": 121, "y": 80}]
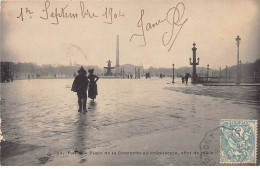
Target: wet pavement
[{"x": 41, "y": 125}]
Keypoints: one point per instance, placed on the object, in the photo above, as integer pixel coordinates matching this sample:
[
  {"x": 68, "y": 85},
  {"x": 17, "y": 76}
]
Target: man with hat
[{"x": 80, "y": 85}]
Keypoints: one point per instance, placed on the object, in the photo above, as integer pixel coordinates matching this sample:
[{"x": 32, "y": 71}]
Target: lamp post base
[{"x": 194, "y": 78}]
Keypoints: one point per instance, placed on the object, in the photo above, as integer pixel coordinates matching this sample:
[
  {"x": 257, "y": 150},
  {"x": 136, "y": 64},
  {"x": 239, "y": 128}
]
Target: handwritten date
[{"x": 50, "y": 12}]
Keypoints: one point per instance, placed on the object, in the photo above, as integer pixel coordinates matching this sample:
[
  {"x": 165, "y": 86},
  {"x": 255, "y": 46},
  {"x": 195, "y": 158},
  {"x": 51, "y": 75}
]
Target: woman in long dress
[{"x": 92, "y": 91}]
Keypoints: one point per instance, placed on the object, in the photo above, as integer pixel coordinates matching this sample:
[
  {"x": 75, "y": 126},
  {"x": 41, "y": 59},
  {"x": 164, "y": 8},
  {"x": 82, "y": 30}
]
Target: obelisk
[{"x": 117, "y": 56}]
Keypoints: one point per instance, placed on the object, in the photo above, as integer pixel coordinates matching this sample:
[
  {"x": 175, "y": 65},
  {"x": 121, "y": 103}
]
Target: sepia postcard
[{"x": 130, "y": 82}]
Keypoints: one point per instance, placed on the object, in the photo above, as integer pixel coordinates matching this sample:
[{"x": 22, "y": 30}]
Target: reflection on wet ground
[{"x": 43, "y": 113}]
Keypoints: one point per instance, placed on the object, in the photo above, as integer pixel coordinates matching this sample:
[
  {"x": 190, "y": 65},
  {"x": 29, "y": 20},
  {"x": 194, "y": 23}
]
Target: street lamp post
[
  {"x": 226, "y": 74},
  {"x": 220, "y": 75},
  {"x": 207, "y": 72},
  {"x": 173, "y": 73},
  {"x": 135, "y": 72},
  {"x": 139, "y": 73},
  {"x": 123, "y": 72},
  {"x": 194, "y": 63},
  {"x": 238, "y": 75}
]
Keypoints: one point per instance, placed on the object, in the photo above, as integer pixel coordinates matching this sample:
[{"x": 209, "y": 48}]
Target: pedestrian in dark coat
[
  {"x": 80, "y": 85},
  {"x": 187, "y": 77},
  {"x": 182, "y": 79}
]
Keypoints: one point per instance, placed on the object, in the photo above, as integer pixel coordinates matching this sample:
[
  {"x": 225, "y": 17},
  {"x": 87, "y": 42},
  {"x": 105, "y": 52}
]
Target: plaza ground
[{"x": 41, "y": 125}]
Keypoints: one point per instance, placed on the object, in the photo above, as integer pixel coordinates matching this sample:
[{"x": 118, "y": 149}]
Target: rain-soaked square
[{"x": 42, "y": 126}]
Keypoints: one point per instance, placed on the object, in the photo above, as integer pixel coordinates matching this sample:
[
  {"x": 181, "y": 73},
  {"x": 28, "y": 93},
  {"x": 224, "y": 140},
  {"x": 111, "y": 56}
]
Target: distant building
[{"x": 7, "y": 72}]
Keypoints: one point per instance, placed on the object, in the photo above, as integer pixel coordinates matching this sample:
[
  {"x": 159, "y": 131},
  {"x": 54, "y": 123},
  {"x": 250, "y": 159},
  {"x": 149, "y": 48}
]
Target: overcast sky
[{"x": 212, "y": 25}]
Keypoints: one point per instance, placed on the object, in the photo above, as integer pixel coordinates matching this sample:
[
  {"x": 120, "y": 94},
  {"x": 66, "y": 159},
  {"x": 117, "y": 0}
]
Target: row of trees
[
  {"x": 246, "y": 70},
  {"x": 32, "y": 70}
]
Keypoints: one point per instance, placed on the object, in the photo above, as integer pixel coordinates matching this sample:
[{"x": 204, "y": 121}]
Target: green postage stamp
[{"x": 238, "y": 142}]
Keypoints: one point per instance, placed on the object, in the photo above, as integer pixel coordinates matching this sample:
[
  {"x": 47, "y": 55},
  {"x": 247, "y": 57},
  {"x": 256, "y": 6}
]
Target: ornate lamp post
[
  {"x": 173, "y": 73},
  {"x": 194, "y": 78},
  {"x": 238, "y": 75}
]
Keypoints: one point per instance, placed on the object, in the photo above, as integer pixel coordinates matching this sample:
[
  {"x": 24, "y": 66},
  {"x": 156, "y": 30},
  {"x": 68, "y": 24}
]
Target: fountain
[{"x": 108, "y": 69}]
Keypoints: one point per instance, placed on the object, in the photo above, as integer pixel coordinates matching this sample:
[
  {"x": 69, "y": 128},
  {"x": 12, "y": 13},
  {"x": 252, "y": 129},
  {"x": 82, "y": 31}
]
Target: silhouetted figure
[
  {"x": 92, "y": 91},
  {"x": 147, "y": 75},
  {"x": 187, "y": 77},
  {"x": 80, "y": 86},
  {"x": 182, "y": 79}
]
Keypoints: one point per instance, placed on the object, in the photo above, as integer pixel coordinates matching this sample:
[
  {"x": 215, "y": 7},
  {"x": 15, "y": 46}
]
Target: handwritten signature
[{"x": 173, "y": 17}]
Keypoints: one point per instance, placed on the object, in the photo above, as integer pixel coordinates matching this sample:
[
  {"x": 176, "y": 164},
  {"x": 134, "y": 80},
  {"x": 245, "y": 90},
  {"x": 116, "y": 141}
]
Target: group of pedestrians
[{"x": 85, "y": 86}]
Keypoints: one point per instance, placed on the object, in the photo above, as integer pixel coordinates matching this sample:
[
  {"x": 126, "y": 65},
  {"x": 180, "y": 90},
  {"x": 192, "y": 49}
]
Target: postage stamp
[{"x": 238, "y": 141}]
